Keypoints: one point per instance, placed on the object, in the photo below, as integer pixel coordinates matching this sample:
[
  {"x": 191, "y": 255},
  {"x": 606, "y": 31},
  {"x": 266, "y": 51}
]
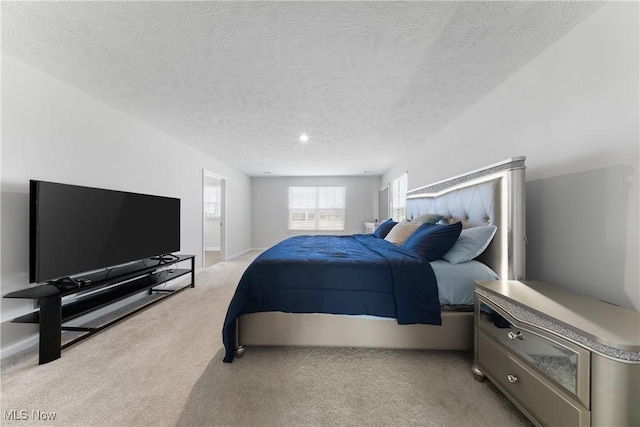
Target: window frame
[
  {"x": 399, "y": 188},
  {"x": 314, "y": 211}
]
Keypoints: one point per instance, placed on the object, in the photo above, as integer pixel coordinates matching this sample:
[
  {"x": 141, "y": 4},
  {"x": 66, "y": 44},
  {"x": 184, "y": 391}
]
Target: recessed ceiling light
[{"x": 303, "y": 137}]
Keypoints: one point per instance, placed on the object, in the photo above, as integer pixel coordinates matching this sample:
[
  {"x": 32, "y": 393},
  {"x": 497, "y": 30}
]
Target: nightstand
[
  {"x": 561, "y": 358},
  {"x": 370, "y": 227}
]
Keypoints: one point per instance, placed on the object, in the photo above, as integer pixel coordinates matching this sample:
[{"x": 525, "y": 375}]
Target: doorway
[
  {"x": 383, "y": 204},
  {"x": 213, "y": 216}
]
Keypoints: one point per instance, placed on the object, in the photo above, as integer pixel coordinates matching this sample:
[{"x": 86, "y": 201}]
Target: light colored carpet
[
  {"x": 164, "y": 367},
  {"x": 211, "y": 258}
]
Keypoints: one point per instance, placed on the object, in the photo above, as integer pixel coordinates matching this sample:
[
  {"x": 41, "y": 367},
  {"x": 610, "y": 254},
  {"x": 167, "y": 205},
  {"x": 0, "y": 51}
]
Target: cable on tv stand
[{"x": 166, "y": 258}]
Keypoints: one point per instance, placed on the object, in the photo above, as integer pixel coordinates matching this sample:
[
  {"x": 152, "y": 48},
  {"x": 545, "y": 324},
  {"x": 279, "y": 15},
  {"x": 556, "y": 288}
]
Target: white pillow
[
  {"x": 401, "y": 232},
  {"x": 471, "y": 243}
]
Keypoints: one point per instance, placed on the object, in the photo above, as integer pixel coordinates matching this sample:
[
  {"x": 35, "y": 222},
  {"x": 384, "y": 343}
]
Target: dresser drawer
[
  {"x": 550, "y": 406},
  {"x": 562, "y": 362}
]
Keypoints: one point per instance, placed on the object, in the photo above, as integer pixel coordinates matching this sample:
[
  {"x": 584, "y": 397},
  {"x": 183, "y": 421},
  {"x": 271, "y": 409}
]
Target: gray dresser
[{"x": 561, "y": 358}]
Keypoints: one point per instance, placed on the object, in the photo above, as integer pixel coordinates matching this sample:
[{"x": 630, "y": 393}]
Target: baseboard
[
  {"x": 19, "y": 346},
  {"x": 239, "y": 254},
  {"x": 212, "y": 248}
]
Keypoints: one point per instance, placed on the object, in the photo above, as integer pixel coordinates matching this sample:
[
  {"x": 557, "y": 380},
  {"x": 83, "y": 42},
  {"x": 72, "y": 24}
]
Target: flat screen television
[{"x": 76, "y": 229}]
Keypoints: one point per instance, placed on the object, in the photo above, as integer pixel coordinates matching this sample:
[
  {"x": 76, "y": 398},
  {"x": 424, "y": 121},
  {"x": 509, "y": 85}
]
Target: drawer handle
[
  {"x": 515, "y": 335},
  {"x": 512, "y": 378}
]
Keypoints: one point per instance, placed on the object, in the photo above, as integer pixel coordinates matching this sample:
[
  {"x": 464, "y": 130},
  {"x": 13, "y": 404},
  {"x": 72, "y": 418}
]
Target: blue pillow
[
  {"x": 431, "y": 241},
  {"x": 384, "y": 228}
]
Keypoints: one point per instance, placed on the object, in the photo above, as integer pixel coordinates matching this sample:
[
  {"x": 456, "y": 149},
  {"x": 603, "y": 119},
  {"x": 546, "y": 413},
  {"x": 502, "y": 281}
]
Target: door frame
[{"x": 223, "y": 215}]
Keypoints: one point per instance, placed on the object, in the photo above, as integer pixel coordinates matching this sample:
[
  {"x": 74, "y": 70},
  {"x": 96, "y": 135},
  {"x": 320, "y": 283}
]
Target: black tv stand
[{"x": 99, "y": 290}]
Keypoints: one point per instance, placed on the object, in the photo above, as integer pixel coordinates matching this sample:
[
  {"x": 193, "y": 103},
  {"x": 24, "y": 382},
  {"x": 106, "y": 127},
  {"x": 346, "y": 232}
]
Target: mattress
[{"x": 455, "y": 285}]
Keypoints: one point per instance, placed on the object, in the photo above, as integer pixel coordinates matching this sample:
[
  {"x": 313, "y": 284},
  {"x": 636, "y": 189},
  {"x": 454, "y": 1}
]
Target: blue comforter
[{"x": 356, "y": 274}]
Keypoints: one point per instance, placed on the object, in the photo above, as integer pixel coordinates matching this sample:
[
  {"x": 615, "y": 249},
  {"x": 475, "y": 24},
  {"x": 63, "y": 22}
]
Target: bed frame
[{"x": 493, "y": 195}]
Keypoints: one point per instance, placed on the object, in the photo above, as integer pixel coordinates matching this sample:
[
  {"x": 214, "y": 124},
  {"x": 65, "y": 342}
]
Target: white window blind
[
  {"x": 317, "y": 208},
  {"x": 398, "y": 198},
  {"x": 211, "y": 201}
]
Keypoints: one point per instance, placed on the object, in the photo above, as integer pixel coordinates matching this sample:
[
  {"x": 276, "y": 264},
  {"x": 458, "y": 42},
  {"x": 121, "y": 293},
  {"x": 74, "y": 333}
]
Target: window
[
  {"x": 211, "y": 201},
  {"x": 398, "y": 198},
  {"x": 316, "y": 208}
]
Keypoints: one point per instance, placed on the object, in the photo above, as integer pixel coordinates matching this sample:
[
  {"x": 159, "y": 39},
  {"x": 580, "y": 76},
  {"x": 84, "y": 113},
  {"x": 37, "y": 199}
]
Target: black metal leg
[
  {"x": 50, "y": 328},
  {"x": 193, "y": 272}
]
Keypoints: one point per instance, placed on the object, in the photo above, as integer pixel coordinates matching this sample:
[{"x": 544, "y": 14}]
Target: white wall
[
  {"x": 53, "y": 132},
  {"x": 574, "y": 112},
  {"x": 270, "y": 205}
]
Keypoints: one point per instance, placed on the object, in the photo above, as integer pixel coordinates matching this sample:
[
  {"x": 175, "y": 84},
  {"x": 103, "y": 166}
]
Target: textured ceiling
[{"x": 369, "y": 81}]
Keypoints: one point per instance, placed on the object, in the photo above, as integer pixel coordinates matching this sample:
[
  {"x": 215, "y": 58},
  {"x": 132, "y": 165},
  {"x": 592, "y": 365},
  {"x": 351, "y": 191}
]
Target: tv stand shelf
[{"x": 106, "y": 287}]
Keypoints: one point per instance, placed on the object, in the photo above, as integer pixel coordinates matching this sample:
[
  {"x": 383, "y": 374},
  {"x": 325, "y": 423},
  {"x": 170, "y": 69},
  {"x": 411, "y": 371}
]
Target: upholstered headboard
[{"x": 494, "y": 195}]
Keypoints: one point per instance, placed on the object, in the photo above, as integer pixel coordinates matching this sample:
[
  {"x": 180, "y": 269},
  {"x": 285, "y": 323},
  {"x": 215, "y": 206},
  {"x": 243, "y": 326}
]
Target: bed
[{"x": 339, "y": 290}]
